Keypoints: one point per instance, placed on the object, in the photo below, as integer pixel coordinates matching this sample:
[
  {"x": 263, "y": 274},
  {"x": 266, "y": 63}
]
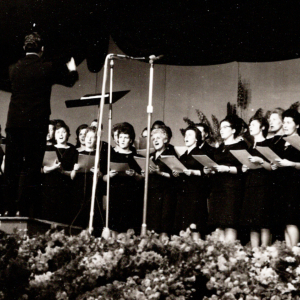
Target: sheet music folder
[{"x": 94, "y": 99}]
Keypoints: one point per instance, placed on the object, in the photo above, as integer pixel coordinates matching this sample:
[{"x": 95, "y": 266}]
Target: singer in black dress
[
  {"x": 256, "y": 213},
  {"x": 84, "y": 182},
  {"x": 126, "y": 188},
  {"x": 225, "y": 201},
  {"x": 162, "y": 190},
  {"x": 57, "y": 186},
  {"x": 287, "y": 205},
  {"x": 192, "y": 186}
]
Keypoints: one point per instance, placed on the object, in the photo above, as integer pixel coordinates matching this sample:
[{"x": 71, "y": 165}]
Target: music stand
[{"x": 94, "y": 99}]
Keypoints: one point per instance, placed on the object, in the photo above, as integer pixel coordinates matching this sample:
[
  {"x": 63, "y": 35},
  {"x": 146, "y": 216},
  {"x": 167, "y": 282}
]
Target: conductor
[{"x": 31, "y": 80}]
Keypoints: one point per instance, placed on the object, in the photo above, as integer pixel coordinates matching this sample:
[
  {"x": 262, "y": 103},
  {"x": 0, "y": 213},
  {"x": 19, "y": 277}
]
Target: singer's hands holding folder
[
  {"x": 208, "y": 170},
  {"x": 256, "y": 160},
  {"x": 285, "y": 163},
  {"x": 56, "y": 165}
]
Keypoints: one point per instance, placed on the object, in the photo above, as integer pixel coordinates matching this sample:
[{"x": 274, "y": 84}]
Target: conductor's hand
[
  {"x": 130, "y": 172},
  {"x": 256, "y": 160},
  {"x": 175, "y": 173},
  {"x": 222, "y": 169},
  {"x": 274, "y": 166},
  {"x": 285, "y": 163},
  {"x": 245, "y": 168},
  {"x": 71, "y": 65}
]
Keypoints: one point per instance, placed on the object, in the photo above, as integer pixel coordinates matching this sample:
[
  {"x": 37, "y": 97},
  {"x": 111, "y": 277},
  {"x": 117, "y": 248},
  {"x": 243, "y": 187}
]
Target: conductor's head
[{"x": 33, "y": 43}]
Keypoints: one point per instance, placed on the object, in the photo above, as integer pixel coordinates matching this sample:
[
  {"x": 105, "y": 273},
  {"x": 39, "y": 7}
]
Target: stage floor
[{"x": 33, "y": 226}]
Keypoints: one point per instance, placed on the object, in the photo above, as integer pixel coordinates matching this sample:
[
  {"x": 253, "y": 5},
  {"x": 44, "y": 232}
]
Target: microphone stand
[
  {"x": 149, "y": 111},
  {"x": 99, "y": 133},
  {"x": 109, "y": 143}
]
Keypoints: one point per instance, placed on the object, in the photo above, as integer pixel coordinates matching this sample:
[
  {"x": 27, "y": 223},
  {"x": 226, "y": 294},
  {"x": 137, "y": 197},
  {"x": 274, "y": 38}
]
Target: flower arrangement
[{"x": 57, "y": 266}]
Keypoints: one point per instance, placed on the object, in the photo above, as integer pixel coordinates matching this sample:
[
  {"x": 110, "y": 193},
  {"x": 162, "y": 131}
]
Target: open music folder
[
  {"x": 294, "y": 140},
  {"x": 205, "y": 161},
  {"x": 243, "y": 157},
  {"x": 142, "y": 162},
  {"x": 85, "y": 162},
  {"x": 269, "y": 154},
  {"x": 49, "y": 158},
  {"x": 173, "y": 163}
]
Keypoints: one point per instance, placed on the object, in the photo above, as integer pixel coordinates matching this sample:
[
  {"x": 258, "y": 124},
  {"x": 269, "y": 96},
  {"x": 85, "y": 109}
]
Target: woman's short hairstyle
[
  {"x": 62, "y": 124},
  {"x": 157, "y": 124},
  {"x": 115, "y": 128},
  {"x": 292, "y": 113},
  {"x": 91, "y": 129},
  {"x": 205, "y": 129},
  {"x": 163, "y": 131},
  {"x": 127, "y": 128},
  {"x": 263, "y": 123},
  {"x": 279, "y": 111},
  {"x": 235, "y": 123},
  {"x": 79, "y": 128},
  {"x": 197, "y": 134}
]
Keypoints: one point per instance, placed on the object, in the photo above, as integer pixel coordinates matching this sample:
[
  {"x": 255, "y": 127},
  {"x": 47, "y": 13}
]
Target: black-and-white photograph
[{"x": 149, "y": 150}]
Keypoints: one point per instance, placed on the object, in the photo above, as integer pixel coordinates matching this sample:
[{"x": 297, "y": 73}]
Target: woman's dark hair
[
  {"x": 197, "y": 133},
  {"x": 61, "y": 124},
  {"x": 145, "y": 129},
  {"x": 33, "y": 43},
  {"x": 127, "y": 128},
  {"x": 263, "y": 123},
  {"x": 157, "y": 124},
  {"x": 115, "y": 128},
  {"x": 205, "y": 129},
  {"x": 294, "y": 114},
  {"x": 235, "y": 123},
  {"x": 79, "y": 128}
]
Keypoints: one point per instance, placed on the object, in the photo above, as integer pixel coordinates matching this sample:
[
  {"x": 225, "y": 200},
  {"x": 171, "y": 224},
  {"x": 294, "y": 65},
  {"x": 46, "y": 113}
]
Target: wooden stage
[{"x": 34, "y": 226}]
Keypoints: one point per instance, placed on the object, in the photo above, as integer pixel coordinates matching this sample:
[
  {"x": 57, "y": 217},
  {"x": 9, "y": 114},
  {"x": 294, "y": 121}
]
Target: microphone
[
  {"x": 153, "y": 57},
  {"x": 124, "y": 57}
]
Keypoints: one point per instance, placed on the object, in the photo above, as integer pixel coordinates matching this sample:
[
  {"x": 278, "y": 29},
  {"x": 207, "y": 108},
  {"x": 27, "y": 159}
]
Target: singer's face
[
  {"x": 90, "y": 140},
  {"x": 50, "y": 134},
  {"x": 124, "y": 141},
  {"x": 61, "y": 136},
  {"x": 255, "y": 128},
  {"x": 190, "y": 138},
  {"x": 289, "y": 126},
  {"x": 159, "y": 141},
  {"x": 275, "y": 123},
  {"x": 226, "y": 131},
  {"x": 203, "y": 133},
  {"x": 116, "y": 137},
  {"x": 81, "y": 136}
]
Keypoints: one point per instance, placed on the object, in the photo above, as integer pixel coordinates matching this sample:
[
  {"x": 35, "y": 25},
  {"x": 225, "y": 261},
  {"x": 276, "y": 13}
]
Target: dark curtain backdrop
[{"x": 186, "y": 32}]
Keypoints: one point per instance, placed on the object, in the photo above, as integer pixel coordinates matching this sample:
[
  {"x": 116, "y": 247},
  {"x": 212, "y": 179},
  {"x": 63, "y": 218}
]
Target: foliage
[{"x": 56, "y": 266}]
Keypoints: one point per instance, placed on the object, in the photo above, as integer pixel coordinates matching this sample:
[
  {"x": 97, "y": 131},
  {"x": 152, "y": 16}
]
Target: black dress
[
  {"x": 225, "y": 201},
  {"x": 192, "y": 195},
  {"x": 58, "y": 188},
  {"x": 287, "y": 188},
  {"x": 161, "y": 197},
  {"x": 257, "y": 205},
  {"x": 126, "y": 196},
  {"x": 83, "y": 184}
]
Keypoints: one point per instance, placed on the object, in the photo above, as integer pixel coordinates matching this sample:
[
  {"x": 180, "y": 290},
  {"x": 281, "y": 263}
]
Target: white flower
[{"x": 290, "y": 259}]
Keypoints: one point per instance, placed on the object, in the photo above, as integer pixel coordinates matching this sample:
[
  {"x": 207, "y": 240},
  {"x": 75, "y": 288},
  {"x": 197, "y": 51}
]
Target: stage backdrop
[{"x": 178, "y": 92}]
